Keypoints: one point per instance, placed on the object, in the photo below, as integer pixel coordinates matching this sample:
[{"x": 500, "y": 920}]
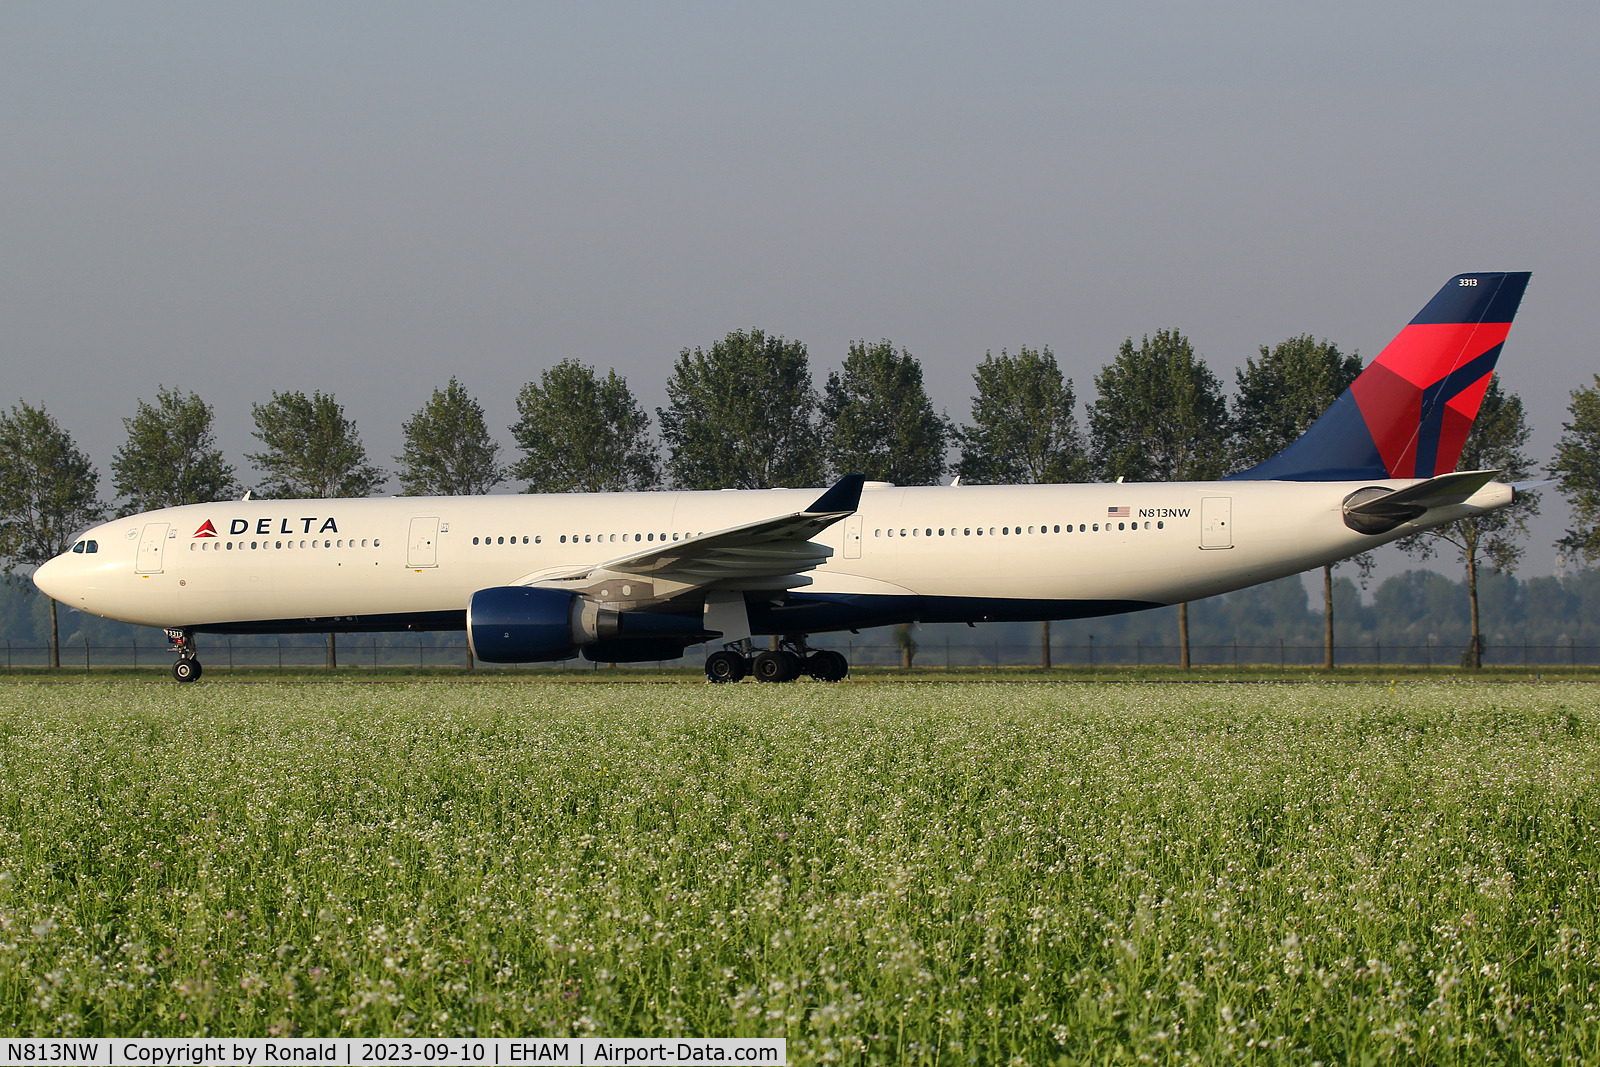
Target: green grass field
[{"x": 880, "y": 873}]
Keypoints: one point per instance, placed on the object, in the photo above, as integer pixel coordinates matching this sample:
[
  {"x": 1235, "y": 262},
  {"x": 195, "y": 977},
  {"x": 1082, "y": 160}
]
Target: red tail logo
[{"x": 206, "y": 530}]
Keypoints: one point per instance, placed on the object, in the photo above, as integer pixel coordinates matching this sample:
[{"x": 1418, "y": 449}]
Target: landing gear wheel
[
  {"x": 776, "y": 667},
  {"x": 827, "y": 666},
  {"x": 186, "y": 670},
  {"x": 724, "y": 667}
]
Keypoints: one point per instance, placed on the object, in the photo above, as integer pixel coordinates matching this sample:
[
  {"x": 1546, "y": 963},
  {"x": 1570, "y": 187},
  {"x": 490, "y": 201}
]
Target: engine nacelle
[{"x": 519, "y": 624}]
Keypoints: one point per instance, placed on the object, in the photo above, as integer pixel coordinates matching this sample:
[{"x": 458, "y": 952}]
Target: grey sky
[{"x": 367, "y": 199}]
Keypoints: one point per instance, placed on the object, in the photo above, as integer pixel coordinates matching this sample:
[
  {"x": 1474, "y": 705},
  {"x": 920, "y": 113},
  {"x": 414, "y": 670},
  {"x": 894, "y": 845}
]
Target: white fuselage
[{"x": 325, "y": 559}]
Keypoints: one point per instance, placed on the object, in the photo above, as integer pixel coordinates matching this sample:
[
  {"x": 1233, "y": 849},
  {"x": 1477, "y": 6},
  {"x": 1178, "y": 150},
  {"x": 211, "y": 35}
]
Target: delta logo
[{"x": 206, "y": 530}]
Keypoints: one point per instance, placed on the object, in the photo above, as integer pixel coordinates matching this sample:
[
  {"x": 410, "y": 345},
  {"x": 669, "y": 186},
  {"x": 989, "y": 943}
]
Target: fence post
[
  {"x": 280, "y": 655},
  {"x": 374, "y": 651},
  {"x": 1377, "y": 653},
  {"x": 135, "y": 653},
  {"x": 419, "y": 654},
  {"x": 230, "y": 653},
  {"x": 1282, "y": 663},
  {"x": 85, "y": 655}
]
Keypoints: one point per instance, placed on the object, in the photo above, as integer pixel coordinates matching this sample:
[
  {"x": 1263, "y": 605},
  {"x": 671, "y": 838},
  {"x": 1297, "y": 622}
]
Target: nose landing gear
[
  {"x": 186, "y": 668},
  {"x": 792, "y": 658}
]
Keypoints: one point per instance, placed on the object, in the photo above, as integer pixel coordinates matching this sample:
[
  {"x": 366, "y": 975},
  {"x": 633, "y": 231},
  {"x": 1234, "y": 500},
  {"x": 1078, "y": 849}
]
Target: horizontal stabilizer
[
  {"x": 1437, "y": 492},
  {"x": 1377, "y": 509}
]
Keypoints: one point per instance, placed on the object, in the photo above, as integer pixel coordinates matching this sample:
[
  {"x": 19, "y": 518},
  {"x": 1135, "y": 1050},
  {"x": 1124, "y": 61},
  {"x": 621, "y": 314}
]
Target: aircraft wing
[{"x": 768, "y": 553}]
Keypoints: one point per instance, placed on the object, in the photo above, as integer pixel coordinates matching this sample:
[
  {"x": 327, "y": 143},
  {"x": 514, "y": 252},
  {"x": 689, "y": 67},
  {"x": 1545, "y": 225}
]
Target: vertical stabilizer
[{"x": 1408, "y": 414}]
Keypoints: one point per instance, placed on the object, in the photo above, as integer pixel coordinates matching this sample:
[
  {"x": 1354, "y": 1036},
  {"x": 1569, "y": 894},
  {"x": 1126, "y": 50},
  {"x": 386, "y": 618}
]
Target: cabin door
[
  {"x": 1216, "y": 522},
  {"x": 151, "y": 545},
  {"x": 422, "y": 550}
]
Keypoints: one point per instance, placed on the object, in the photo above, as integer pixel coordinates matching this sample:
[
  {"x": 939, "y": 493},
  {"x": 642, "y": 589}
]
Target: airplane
[{"x": 626, "y": 577}]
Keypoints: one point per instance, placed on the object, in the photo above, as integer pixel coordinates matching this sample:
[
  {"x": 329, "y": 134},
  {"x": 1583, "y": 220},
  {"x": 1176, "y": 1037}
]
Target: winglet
[{"x": 842, "y": 499}]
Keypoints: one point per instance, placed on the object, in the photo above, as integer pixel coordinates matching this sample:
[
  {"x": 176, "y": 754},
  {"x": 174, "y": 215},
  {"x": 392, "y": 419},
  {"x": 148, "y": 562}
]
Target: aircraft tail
[{"x": 1408, "y": 413}]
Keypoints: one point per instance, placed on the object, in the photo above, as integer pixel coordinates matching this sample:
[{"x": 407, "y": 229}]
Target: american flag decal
[{"x": 1117, "y": 513}]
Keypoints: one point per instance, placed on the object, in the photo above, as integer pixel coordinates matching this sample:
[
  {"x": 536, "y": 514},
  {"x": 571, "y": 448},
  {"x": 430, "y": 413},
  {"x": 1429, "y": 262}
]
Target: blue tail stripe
[
  {"x": 1434, "y": 400},
  {"x": 1337, "y": 448}
]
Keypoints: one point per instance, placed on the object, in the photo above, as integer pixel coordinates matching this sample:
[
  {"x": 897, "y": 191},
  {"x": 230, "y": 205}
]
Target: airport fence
[{"x": 356, "y": 652}]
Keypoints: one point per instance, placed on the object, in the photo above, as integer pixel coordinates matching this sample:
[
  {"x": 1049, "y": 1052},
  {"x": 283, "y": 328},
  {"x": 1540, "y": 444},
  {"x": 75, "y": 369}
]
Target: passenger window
[
  {"x": 277, "y": 544},
  {"x": 536, "y": 539},
  {"x": 230, "y": 546},
  {"x": 929, "y": 533},
  {"x": 1161, "y": 526},
  {"x": 1058, "y": 528},
  {"x": 585, "y": 538},
  {"x": 191, "y": 546},
  {"x": 1004, "y": 530},
  {"x": 1080, "y": 527},
  {"x": 877, "y": 533},
  {"x": 1097, "y": 527},
  {"x": 941, "y": 531},
  {"x": 966, "y": 532},
  {"x": 1121, "y": 526}
]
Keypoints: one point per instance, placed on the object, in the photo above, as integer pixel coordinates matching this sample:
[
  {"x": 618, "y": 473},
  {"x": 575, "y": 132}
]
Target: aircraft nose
[{"x": 50, "y": 578}]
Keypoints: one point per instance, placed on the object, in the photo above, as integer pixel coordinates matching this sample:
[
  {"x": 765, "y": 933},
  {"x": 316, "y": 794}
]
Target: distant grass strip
[{"x": 880, "y": 873}]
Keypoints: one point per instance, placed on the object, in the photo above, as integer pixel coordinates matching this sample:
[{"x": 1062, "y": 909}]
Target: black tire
[
  {"x": 827, "y": 666},
  {"x": 186, "y": 670},
  {"x": 776, "y": 667},
  {"x": 724, "y": 667}
]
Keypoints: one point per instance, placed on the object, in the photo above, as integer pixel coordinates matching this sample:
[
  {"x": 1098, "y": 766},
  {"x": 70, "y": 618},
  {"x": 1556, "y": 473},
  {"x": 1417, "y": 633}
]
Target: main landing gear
[
  {"x": 792, "y": 658},
  {"x": 187, "y": 667}
]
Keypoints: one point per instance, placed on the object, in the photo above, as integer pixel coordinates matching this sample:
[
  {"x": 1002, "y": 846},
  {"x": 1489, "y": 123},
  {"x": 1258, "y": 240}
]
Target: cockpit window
[
  {"x": 91, "y": 546},
  {"x": 78, "y": 548}
]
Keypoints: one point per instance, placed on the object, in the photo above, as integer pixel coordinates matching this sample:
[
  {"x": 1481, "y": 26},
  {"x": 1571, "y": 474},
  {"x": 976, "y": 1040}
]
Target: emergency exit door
[
  {"x": 1216, "y": 522},
  {"x": 422, "y": 549},
  {"x": 852, "y": 536}
]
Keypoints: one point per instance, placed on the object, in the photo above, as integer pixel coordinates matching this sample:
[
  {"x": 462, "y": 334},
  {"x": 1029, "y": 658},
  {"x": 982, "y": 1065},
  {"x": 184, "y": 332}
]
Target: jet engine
[{"x": 519, "y": 624}]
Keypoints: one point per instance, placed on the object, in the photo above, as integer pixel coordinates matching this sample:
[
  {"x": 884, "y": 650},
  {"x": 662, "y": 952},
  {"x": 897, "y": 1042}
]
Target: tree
[
  {"x": 48, "y": 492},
  {"x": 313, "y": 451},
  {"x": 583, "y": 433},
  {"x": 1496, "y": 442},
  {"x": 1024, "y": 427},
  {"x": 1160, "y": 416},
  {"x": 1283, "y": 393},
  {"x": 448, "y": 448},
  {"x": 171, "y": 456},
  {"x": 1279, "y": 398},
  {"x": 1577, "y": 470},
  {"x": 877, "y": 419},
  {"x": 741, "y": 416}
]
